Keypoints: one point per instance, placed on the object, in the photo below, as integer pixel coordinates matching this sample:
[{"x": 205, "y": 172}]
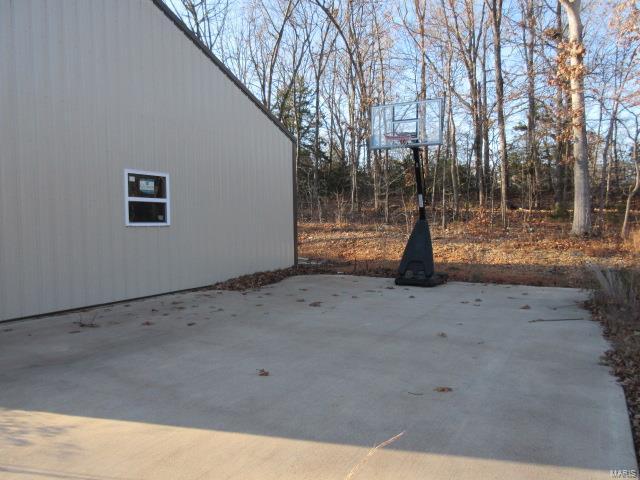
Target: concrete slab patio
[{"x": 169, "y": 387}]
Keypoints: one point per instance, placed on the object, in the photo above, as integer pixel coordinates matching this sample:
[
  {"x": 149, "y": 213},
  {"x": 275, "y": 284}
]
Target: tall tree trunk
[
  {"x": 451, "y": 136},
  {"x": 477, "y": 144},
  {"x": 436, "y": 162},
  {"x": 633, "y": 192},
  {"x": 616, "y": 160},
  {"x": 316, "y": 147},
  {"x": 444, "y": 191},
  {"x": 559, "y": 198},
  {"x": 486, "y": 168},
  {"x": 495, "y": 7},
  {"x": 528, "y": 39},
  {"x": 559, "y": 206},
  {"x": 581, "y": 190},
  {"x": 467, "y": 37},
  {"x": 386, "y": 185},
  {"x": 420, "y": 9},
  {"x": 605, "y": 163},
  {"x": 376, "y": 180}
]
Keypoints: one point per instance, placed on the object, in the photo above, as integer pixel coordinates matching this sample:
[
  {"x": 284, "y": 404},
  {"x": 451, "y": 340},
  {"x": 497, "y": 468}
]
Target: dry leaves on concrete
[{"x": 443, "y": 389}]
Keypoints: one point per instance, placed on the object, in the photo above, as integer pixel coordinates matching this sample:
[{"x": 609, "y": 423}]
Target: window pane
[
  {"x": 150, "y": 186},
  {"x": 146, "y": 212}
]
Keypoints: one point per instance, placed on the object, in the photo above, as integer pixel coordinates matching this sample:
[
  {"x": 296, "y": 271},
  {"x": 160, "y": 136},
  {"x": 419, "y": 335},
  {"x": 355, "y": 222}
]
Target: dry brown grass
[{"x": 535, "y": 250}]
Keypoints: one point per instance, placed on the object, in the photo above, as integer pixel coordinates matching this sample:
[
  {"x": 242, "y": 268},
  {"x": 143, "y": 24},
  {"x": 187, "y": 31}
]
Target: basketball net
[{"x": 402, "y": 139}]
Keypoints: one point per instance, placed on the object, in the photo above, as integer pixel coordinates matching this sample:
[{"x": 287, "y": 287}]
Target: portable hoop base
[{"x": 416, "y": 267}]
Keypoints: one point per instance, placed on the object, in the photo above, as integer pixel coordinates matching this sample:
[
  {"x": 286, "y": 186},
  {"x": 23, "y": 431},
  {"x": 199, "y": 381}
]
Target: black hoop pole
[
  {"x": 419, "y": 186},
  {"x": 416, "y": 267}
]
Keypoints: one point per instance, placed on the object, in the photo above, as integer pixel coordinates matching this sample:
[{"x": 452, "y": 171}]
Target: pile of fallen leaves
[
  {"x": 260, "y": 279},
  {"x": 619, "y": 312}
]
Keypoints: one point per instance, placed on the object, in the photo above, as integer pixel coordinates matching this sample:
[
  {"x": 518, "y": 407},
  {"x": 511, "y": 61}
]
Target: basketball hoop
[
  {"x": 412, "y": 125},
  {"x": 407, "y": 124}
]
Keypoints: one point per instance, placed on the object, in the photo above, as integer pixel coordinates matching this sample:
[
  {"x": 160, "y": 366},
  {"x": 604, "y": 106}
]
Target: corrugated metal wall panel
[{"x": 88, "y": 89}]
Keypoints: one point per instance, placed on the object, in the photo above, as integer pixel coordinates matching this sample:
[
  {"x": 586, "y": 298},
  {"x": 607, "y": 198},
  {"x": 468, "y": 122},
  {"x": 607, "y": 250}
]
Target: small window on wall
[{"x": 146, "y": 199}]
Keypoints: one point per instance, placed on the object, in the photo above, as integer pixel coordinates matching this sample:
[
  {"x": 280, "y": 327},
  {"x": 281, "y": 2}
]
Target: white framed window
[{"x": 146, "y": 199}]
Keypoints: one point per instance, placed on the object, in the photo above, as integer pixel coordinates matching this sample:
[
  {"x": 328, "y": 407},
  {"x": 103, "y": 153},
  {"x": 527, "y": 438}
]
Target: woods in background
[{"x": 542, "y": 99}]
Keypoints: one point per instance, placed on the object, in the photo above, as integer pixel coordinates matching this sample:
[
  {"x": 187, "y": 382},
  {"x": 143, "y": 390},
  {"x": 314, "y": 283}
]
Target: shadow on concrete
[{"x": 355, "y": 369}]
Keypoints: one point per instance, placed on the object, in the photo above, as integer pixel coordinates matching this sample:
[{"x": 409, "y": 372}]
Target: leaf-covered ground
[
  {"x": 538, "y": 251},
  {"x": 616, "y": 304}
]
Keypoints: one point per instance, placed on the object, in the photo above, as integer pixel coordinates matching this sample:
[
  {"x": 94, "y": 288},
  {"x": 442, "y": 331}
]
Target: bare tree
[
  {"x": 266, "y": 26},
  {"x": 620, "y": 75},
  {"x": 635, "y": 137},
  {"x": 320, "y": 56},
  {"x": 529, "y": 37},
  {"x": 206, "y": 18},
  {"x": 495, "y": 10},
  {"x": 574, "y": 49},
  {"x": 466, "y": 26}
]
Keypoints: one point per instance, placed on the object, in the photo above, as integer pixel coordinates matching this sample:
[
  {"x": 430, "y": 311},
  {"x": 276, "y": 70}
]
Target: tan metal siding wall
[{"x": 89, "y": 88}]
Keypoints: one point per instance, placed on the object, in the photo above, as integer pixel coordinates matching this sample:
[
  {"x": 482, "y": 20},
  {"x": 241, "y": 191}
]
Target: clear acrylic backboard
[{"x": 407, "y": 124}]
